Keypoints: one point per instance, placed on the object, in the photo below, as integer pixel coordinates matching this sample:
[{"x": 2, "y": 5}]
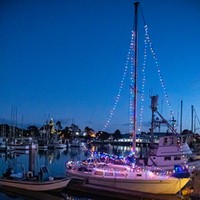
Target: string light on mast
[
  {"x": 128, "y": 61},
  {"x": 143, "y": 84},
  {"x": 158, "y": 70},
  {"x": 131, "y": 83}
]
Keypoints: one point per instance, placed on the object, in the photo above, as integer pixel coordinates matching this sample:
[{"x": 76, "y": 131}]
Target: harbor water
[{"x": 55, "y": 161}]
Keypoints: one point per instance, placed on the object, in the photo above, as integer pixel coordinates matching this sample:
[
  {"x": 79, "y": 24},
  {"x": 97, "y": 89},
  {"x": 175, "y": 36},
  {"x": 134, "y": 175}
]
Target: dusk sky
[{"x": 64, "y": 59}]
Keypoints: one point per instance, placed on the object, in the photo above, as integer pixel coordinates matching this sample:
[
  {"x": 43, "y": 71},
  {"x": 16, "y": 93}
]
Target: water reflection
[{"x": 55, "y": 161}]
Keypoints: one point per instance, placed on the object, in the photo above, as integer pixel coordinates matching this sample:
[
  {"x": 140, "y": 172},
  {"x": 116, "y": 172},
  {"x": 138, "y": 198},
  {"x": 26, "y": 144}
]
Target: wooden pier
[{"x": 196, "y": 184}]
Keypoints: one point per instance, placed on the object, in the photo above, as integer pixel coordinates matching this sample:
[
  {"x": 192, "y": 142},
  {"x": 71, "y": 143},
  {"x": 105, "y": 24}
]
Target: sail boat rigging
[
  {"x": 107, "y": 173},
  {"x": 135, "y": 78}
]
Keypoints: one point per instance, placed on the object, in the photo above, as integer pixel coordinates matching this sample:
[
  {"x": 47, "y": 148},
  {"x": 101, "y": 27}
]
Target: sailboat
[{"x": 132, "y": 177}]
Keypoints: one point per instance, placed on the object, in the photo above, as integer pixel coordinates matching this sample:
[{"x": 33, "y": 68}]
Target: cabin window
[
  {"x": 108, "y": 174},
  {"x": 165, "y": 141},
  {"x": 167, "y": 158},
  {"x": 171, "y": 140},
  {"x": 139, "y": 175},
  {"x": 177, "y": 158},
  {"x": 98, "y": 173},
  {"x": 120, "y": 174}
]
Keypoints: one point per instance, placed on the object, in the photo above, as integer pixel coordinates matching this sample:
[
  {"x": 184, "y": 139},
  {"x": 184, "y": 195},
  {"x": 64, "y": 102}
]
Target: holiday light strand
[
  {"x": 158, "y": 69},
  {"x": 143, "y": 83},
  {"x": 131, "y": 83},
  {"x": 130, "y": 57},
  {"x": 128, "y": 60}
]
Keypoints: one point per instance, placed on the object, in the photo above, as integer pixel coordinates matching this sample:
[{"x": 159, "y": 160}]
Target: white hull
[
  {"x": 151, "y": 186},
  {"x": 43, "y": 147},
  {"x": 35, "y": 185},
  {"x": 19, "y": 147},
  {"x": 76, "y": 143},
  {"x": 57, "y": 146},
  {"x": 21, "y": 151},
  {"x": 160, "y": 186},
  {"x": 60, "y": 146},
  {"x": 22, "y": 146},
  {"x": 3, "y": 148},
  {"x": 3, "y": 144}
]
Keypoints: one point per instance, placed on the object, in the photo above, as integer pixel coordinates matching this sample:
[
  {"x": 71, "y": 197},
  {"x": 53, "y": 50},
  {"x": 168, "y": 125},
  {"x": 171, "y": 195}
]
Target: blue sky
[{"x": 65, "y": 59}]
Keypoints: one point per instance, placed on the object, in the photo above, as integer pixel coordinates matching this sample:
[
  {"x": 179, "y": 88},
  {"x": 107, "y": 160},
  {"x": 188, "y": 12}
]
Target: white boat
[
  {"x": 133, "y": 177},
  {"x": 125, "y": 177},
  {"x": 3, "y": 143},
  {"x": 42, "y": 144},
  {"x": 19, "y": 146},
  {"x": 34, "y": 184},
  {"x": 23, "y": 144},
  {"x": 75, "y": 142},
  {"x": 171, "y": 150},
  {"x": 57, "y": 144},
  {"x": 29, "y": 180}
]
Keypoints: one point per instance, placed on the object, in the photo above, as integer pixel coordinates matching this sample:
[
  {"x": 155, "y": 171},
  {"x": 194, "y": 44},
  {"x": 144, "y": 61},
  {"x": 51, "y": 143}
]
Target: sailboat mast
[
  {"x": 135, "y": 76},
  {"x": 192, "y": 119},
  {"x": 181, "y": 116}
]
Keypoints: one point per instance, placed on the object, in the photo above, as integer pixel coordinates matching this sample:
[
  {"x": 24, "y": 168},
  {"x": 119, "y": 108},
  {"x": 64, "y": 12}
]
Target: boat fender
[
  {"x": 68, "y": 165},
  {"x": 29, "y": 174}
]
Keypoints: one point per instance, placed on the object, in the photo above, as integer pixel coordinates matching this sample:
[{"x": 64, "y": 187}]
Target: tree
[
  {"x": 33, "y": 131},
  {"x": 75, "y": 130},
  {"x": 90, "y": 133},
  {"x": 102, "y": 135},
  {"x": 117, "y": 135},
  {"x": 67, "y": 133},
  {"x": 186, "y": 132},
  {"x": 59, "y": 126}
]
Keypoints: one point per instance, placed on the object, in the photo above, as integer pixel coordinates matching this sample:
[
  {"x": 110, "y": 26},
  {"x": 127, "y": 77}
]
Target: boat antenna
[{"x": 135, "y": 76}]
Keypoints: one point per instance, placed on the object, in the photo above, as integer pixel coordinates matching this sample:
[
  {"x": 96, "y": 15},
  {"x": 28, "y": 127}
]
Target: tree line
[{"x": 69, "y": 132}]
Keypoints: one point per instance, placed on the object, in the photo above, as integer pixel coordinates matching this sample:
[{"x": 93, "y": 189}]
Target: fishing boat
[
  {"x": 34, "y": 184},
  {"x": 15, "y": 176},
  {"x": 131, "y": 177},
  {"x": 171, "y": 149}
]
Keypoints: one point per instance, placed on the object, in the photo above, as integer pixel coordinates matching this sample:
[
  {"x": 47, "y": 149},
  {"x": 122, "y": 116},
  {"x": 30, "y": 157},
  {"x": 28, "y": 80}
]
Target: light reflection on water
[{"x": 55, "y": 161}]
